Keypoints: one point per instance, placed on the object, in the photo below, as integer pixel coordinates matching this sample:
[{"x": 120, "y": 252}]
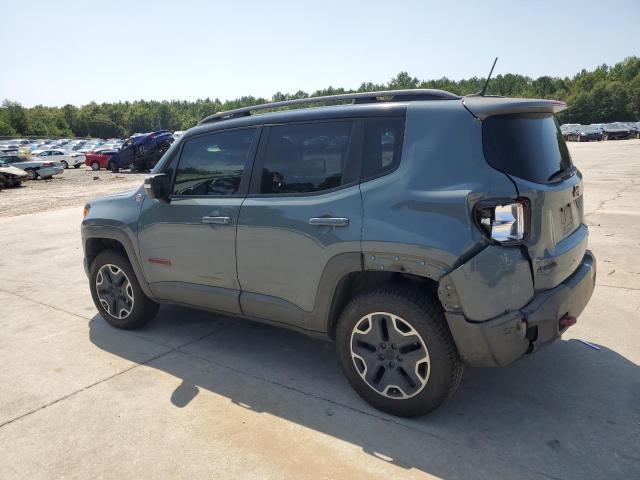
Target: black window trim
[
  {"x": 246, "y": 173},
  {"x": 354, "y": 154},
  {"x": 396, "y": 164}
]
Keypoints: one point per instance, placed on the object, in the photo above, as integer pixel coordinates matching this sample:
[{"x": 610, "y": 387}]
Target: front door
[
  {"x": 187, "y": 246},
  {"x": 304, "y": 209}
]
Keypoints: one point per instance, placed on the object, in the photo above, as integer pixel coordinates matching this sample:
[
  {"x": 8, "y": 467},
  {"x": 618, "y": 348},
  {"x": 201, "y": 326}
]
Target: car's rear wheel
[
  {"x": 95, "y": 166},
  {"x": 397, "y": 352},
  {"x": 141, "y": 150},
  {"x": 605, "y": 137},
  {"x": 31, "y": 173},
  {"x": 65, "y": 165},
  {"x": 77, "y": 165},
  {"x": 113, "y": 166},
  {"x": 117, "y": 294}
]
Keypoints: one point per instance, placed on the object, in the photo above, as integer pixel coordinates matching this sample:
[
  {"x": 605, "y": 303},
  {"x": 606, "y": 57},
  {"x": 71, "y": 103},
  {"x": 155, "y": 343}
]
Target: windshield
[{"x": 529, "y": 146}]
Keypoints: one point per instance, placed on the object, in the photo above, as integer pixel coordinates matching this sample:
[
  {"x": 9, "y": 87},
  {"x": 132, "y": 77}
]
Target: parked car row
[
  {"x": 600, "y": 131},
  {"x": 45, "y": 158}
]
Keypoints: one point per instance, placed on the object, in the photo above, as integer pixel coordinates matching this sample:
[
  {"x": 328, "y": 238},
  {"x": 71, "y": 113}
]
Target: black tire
[
  {"x": 113, "y": 166},
  {"x": 31, "y": 174},
  {"x": 425, "y": 316},
  {"x": 95, "y": 166},
  {"x": 65, "y": 165},
  {"x": 605, "y": 137},
  {"x": 141, "y": 310},
  {"x": 77, "y": 165},
  {"x": 141, "y": 150}
]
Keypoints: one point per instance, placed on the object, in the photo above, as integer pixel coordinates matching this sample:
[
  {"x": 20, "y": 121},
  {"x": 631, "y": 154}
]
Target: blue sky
[{"x": 58, "y": 52}]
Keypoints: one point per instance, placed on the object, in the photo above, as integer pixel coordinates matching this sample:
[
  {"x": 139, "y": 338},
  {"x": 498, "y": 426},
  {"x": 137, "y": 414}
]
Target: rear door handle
[
  {"x": 329, "y": 221},
  {"x": 217, "y": 220}
]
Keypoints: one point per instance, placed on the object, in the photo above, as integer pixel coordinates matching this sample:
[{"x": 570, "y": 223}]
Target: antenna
[{"x": 481, "y": 92}]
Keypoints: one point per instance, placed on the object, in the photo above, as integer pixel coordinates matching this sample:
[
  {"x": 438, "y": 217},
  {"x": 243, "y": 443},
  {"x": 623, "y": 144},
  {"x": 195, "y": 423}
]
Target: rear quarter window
[{"x": 528, "y": 146}]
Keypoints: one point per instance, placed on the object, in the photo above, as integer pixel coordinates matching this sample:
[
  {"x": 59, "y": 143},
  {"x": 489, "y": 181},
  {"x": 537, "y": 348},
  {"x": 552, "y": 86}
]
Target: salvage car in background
[
  {"x": 634, "y": 129},
  {"x": 615, "y": 131},
  {"x": 66, "y": 159},
  {"x": 99, "y": 158},
  {"x": 583, "y": 133},
  {"x": 142, "y": 151},
  {"x": 34, "y": 168},
  {"x": 10, "y": 176}
]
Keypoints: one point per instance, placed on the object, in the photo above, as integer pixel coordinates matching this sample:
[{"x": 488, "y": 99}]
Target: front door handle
[
  {"x": 217, "y": 220},
  {"x": 329, "y": 221}
]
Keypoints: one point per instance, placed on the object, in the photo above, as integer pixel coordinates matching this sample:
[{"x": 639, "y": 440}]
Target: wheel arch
[
  {"x": 98, "y": 239},
  {"x": 354, "y": 283}
]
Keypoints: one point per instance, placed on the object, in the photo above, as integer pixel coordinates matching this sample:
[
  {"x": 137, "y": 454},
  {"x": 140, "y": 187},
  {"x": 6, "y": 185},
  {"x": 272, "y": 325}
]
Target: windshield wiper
[{"x": 562, "y": 174}]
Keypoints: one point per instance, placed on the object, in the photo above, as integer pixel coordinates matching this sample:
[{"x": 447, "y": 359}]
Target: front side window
[
  {"x": 213, "y": 164},
  {"x": 382, "y": 146},
  {"x": 304, "y": 158}
]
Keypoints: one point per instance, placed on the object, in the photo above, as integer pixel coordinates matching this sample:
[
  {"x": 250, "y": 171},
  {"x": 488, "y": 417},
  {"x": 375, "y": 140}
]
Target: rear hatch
[{"x": 524, "y": 141}]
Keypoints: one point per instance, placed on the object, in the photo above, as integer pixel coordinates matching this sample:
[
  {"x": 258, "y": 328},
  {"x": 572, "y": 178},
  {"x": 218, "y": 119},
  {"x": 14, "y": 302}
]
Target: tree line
[{"x": 605, "y": 94}]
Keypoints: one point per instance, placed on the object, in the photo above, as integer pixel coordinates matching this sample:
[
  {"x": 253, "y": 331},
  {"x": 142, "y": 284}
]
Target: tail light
[
  {"x": 506, "y": 222},
  {"x": 48, "y": 164}
]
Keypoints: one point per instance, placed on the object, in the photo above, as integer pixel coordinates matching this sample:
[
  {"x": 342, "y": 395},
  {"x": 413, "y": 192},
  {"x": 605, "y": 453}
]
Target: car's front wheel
[
  {"x": 397, "y": 351},
  {"x": 113, "y": 166},
  {"x": 117, "y": 294},
  {"x": 65, "y": 165},
  {"x": 95, "y": 166},
  {"x": 31, "y": 173}
]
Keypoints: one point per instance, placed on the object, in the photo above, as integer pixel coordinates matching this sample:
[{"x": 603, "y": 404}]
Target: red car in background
[{"x": 99, "y": 158}]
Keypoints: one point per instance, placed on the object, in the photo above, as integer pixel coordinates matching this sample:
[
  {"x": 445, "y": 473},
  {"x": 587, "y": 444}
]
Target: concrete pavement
[{"x": 200, "y": 395}]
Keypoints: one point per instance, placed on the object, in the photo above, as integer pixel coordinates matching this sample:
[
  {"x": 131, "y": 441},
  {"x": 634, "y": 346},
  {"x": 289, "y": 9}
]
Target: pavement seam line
[
  {"x": 633, "y": 289},
  {"x": 146, "y": 362},
  {"x": 43, "y": 304}
]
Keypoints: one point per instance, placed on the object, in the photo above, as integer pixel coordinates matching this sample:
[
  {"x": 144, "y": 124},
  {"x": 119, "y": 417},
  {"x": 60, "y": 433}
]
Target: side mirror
[{"x": 157, "y": 186}]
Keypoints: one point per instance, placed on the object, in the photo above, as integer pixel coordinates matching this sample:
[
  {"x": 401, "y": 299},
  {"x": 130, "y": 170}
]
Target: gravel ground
[{"x": 71, "y": 188}]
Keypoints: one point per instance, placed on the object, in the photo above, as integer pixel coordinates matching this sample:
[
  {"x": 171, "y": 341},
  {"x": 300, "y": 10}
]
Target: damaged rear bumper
[{"x": 505, "y": 338}]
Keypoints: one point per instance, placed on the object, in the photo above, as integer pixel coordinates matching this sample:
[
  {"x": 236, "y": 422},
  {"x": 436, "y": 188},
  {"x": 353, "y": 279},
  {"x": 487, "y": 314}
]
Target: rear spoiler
[{"x": 482, "y": 107}]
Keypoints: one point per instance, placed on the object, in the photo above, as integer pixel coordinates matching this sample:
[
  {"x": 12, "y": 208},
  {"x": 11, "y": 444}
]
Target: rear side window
[
  {"x": 529, "y": 146},
  {"x": 213, "y": 164},
  {"x": 382, "y": 146},
  {"x": 304, "y": 158}
]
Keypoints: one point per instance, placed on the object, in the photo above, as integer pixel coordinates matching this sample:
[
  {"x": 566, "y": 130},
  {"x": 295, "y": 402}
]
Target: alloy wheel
[
  {"x": 114, "y": 291},
  {"x": 390, "y": 355}
]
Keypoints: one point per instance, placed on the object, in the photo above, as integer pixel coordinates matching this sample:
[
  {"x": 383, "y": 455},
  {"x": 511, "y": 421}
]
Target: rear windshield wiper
[{"x": 562, "y": 174}]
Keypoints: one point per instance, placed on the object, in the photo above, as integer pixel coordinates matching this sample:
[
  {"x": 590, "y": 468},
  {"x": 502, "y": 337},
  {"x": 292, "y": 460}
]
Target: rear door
[
  {"x": 530, "y": 149},
  {"x": 188, "y": 246},
  {"x": 304, "y": 209}
]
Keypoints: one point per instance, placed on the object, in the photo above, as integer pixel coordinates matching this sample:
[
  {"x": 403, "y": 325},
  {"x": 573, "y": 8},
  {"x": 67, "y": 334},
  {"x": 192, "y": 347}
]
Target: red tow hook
[{"x": 567, "y": 321}]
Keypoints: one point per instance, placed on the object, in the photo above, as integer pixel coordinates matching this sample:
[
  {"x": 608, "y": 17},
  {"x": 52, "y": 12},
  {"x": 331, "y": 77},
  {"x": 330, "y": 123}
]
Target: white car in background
[
  {"x": 89, "y": 147},
  {"x": 34, "y": 168},
  {"x": 66, "y": 159}
]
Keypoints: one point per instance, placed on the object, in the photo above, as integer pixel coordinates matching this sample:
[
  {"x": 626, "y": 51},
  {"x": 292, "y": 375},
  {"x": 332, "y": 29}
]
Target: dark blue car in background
[{"x": 142, "y": 151}]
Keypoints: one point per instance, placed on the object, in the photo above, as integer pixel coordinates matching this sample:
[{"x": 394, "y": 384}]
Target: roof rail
[{"x": 360, "y": 97}]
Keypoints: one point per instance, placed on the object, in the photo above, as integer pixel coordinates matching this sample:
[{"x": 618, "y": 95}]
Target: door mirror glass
[{"x": 156, "y": 186}]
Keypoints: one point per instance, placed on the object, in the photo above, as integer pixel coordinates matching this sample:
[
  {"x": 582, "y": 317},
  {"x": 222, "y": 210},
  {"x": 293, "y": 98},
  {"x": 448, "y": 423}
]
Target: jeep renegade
[{"x": 420, "y": 230}]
